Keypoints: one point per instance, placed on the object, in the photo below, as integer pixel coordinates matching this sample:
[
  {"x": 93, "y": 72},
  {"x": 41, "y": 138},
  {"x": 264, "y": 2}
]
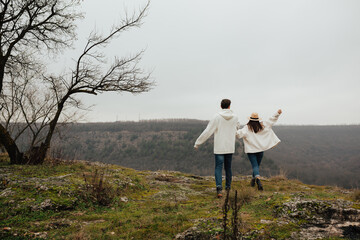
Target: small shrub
[
  {"x": 133, "y": 137},
  {"x": 234, "y": 203},
  {"x": 235, "y": 218},
  {"x": 97, "y": 189},
  {"x": 282, "y": 176},
  {"x": 356, "y": 195},
  {"x": 119, "y": 137},
  {"x": 81, "y": 235},
  {"x": 245, "y": 195},
  {"x": 4, "y": 158},
  {"x": 3, "y": 183},
  {"x": 225, "y": 208}
]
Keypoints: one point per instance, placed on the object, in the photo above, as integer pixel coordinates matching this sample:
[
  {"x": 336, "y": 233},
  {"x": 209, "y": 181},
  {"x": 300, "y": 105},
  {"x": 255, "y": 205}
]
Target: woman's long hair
[{"x": 255, "y": 126}]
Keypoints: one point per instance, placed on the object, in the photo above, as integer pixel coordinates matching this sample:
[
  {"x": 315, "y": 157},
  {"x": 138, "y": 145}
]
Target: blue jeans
[
  {"x": 255, "y": 160},
  {"x": 220, "y": 160}
]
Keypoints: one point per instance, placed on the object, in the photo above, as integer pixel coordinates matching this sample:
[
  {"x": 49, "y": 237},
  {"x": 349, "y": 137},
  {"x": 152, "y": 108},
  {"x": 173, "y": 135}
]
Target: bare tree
[
  {"x": 28, "y": 27},
  {"x": 90, "y": 75},
  {"x": 28, "y": 105}
]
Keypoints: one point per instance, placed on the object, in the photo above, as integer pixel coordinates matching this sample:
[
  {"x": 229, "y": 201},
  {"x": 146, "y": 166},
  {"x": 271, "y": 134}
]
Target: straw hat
[{"x": 254, "y": 117}]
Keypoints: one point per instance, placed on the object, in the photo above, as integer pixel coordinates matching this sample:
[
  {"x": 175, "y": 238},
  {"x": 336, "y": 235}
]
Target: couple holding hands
[{"x": 257, "y": 135}]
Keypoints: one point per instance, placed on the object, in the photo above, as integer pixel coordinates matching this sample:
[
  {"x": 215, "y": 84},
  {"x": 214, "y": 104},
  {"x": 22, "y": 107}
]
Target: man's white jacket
[{"x": 223, "y": 125}]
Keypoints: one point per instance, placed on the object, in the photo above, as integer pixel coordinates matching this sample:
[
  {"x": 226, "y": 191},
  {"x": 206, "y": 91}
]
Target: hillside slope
[
  {"x": 83, "y": 200},
  {"x": 321, "y": 155}
]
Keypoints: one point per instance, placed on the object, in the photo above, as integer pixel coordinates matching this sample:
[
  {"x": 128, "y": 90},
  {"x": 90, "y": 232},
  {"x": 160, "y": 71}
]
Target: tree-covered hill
[{"x": 324, "y": 155}]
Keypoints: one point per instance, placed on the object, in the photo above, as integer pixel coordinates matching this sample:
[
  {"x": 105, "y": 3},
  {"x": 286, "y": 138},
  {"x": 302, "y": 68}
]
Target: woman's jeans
[
  {"x": 220, "y": 160},
  {"x": 255, "y": 160}
]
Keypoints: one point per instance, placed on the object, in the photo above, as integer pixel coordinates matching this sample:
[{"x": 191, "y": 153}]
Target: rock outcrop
[{"x": 322, "y": 219}]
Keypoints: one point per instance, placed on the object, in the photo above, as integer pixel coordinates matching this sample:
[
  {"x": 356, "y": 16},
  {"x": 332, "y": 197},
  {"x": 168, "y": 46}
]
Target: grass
[
  {"x": 156, "y": 206},
  {"x": 356, "y": 195}
]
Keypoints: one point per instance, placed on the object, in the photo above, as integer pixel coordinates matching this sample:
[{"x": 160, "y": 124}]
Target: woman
[{"x": 258, "y": 137}]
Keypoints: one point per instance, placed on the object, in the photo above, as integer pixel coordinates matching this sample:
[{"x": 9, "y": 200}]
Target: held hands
[{"x": 279, "y": 111}]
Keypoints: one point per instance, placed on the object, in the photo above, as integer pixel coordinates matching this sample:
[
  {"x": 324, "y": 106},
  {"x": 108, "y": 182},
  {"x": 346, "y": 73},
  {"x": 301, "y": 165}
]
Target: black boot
[
  {"x": 252, "y": 183},
  {"x": 260, "y": 187}
]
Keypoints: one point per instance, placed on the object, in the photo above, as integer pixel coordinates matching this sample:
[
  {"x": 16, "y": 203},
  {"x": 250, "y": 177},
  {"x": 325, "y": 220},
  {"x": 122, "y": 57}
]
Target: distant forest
[{"x": 321, "y": 155}]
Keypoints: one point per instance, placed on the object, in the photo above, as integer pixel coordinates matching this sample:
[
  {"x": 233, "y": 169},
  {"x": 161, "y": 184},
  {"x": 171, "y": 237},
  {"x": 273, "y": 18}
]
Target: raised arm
[
  {"x": 209, "y": 130},
  {"x": 272, "y": 120}
]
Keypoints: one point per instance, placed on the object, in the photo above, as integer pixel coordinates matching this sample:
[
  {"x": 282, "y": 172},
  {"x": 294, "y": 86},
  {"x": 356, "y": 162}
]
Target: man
[{"x": 223, "y": 125}]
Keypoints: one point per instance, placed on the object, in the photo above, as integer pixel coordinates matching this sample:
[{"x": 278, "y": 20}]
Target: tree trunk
[
  {"x": 16, "y": 157},
  {"x": 37, "y": 155}
]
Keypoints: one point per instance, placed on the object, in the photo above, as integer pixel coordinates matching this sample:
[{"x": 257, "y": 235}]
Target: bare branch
[
  {"x": 35, "y": 101},
  {"x": 27, "y": 25}
]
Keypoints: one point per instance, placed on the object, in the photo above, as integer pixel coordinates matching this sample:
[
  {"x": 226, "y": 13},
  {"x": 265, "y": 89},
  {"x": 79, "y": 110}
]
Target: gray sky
[{"x": 302, "y": 56}]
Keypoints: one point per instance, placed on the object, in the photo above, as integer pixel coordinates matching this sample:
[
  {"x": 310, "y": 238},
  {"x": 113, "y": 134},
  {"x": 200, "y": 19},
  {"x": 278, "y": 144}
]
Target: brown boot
[{"x": 219, "y": 192}]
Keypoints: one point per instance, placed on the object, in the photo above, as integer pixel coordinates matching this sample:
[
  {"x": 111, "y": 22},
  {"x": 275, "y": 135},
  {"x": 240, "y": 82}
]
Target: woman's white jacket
[{"x": 260, "y": 141}]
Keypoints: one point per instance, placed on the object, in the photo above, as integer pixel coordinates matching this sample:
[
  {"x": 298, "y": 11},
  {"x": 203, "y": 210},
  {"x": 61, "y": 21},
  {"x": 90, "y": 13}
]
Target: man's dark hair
[{"x": 225, "y": 103}]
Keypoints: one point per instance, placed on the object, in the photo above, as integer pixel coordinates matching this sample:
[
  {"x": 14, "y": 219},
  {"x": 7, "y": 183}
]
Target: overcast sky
[{"x": 302, "y": 56}]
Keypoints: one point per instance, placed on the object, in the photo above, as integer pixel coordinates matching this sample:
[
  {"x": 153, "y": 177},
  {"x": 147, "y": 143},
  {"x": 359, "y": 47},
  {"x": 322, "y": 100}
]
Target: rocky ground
[{"x": 82, "y": 200}]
